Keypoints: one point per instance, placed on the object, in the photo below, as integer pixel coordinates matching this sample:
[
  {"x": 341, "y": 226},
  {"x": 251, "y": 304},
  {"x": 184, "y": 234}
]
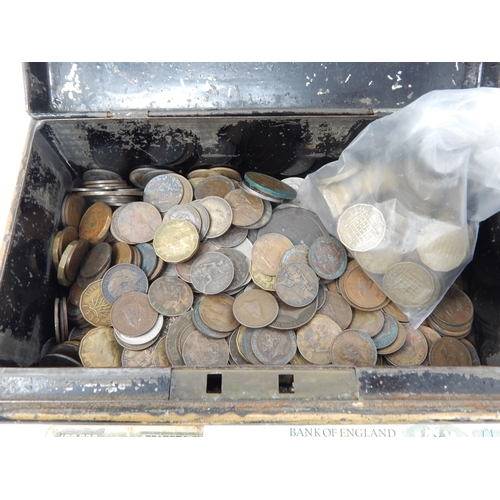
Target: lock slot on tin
[
  {"x": 285, "y": 383},
  {"x": 214, "y": 383}
]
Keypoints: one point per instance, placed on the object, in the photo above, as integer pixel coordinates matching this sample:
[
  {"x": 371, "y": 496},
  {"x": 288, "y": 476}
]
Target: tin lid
[{"x": 75, "y": 89}]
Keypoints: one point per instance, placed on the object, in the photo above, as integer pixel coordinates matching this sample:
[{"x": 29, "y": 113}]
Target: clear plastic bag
[{"x": 407, "y": 195}]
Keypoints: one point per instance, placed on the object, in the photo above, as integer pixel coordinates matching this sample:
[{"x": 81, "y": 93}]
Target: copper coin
[
  {"x": 183, "y": 269},
  {"x": 94, "y": 225},
  {"x": 205, "y": 218},
  {"x": 267, "y": 252},
  {"x": 143, "y": 358},
  {"x": 203, "y": 328},
  {"x": 186, "y": 212},
  {"x": 337, "y": 308},
  {"x": 149, "y": 259},
  {"x": 216, "y": 311},
  {"x": 414, "y": 350},
  {"x": 315, "y": 339},
  {"x": 61, "y": 240},
  {"x": 163, "y": 192},
  {"x": 142, "y": 341},
  {"x": 98, "y": 174},
  {"x": 397, "y": 344},
  {"x": 225, "y": 171},
  {"x": 449, "y": 352},
  {"x": 132, "y": 314},
  {"x": 172, "y": 336},
  {"x": 63, "y": 315},
  {"x": 454, "y": 309},
  {"x": 96, "y": 261},
  {"x": 361, "y": 290},
  {"x": 241, "y": 266},
  {"x": 298, "y": 253},
  {"x": 262, "y": 280},
  {"x": 233, "y": 237},
  {"x": 95, "y": 308},
  {"x": 170, "y": 296},
  {"x": 75, "y": 292},
  {"x": 99, "y": 349},
  {"x": 71, "y": 259},
  {"x": 176, "y": 241},
  {"x": 298, "y": 359},
  {"x": 214, "y": 185},
  {"x": 73, "y": 208},
  {"x": 136, "y": 176},
  {"x": 297, "y": 284},
  {"x": 160, "y": 358},
  {"x": 270, "y": 185},
  {"x": 370, "y": 322},
  {"x": 244, "y": 345},
  {"x": 247, "y": 209},
  {"x": 473, "y": 353},
  {"x": 233, "y": 349},
  {"x": 290, "y": 318},
  {"x": 274, "y": 347},
  {"x": 353, "y": 348},
  {"x": 122, "y": 279},
  {"x": 388, "y": 333},
  {"x": 137, "y": 222},
  {"x": 121, "y": 253},
  {"x": 430, "y": 335},
  {"x": 394, "y": 311},
  {"x": 199, "y": 350},
  {"x": 328, "y": 257},
  {"x": 266, "y": 216},
  {"x": 212, "y": 273},
  {"x": 221, "y": 215},
  {"x": 255, "y": 308}
]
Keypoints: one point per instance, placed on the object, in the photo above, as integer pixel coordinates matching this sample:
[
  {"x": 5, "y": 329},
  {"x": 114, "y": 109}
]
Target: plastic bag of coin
[{"x": 407, "y": 195}]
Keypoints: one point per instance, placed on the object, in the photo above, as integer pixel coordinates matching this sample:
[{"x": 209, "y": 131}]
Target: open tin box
[{"x": 283, "y": 119}]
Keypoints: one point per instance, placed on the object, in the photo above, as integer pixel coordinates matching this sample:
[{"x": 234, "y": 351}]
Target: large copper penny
[
  {"x": 414, "y": 350},
  {"x": 221, "y": 215},
  {"x": 183, "y": 269},
  {"x": 176, "y": 241},
  {"x": 267, "y": 252},
  {"x": 292, "y": 317},
  {"x": 123, "y": 279},
  {"x": 247, "y": 209},
  {"x": 370, "y": 322},
  {"x": 212, "y": 273},
  {"x": 160, "y": 358},
  {"x": 213, "y": 185},
  {"x": 337, "y": 308},
  {"x": 73, "y": 208},
  {"x": 297, "y": 284},
  {"x": 203, "y": 328},
  {"x": 121, "y": 253},
  {"x": 454, "y": 309},
  {"x": 132, "y": 314},
  {"x": 298, "y": 253},
  {"x": 186, "y": 212},
  {"x": 361, "y": 290},
  {"x": 137, "y": 222},
  {"x": 315, "y": 339},
  {"x": 96, "y": 261},
  {"x": 163, "y": 191},
  {"x": 94, "y": 225},
  {"x": 328, "y": 257},
  {"x": 244, "y": 345},
  {"x": 241, "y": 266},
  {"x": 172, "y": 338},
  {"x": 143, "y": 358},
  {"x": 170, "y": 296},
  {"x": 233, "y": 237},
  {"x": 274, "y": 347},
  {"x": 398, "y": 342},
  {"x": 354, "y": 348},
  {"x": 255, "y": 308},
  {"x": 99, "y": 349},
  {"x": 142, "y": 341},
  {"x": 95, "y": 308},
  {"x": 216, "y": 311},
  {"x": 199, "y": 350},
  {"x": 448, "y": 351}
]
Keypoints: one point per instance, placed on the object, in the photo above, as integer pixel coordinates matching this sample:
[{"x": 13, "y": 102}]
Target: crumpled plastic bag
[{"x": 407, "y": 195}]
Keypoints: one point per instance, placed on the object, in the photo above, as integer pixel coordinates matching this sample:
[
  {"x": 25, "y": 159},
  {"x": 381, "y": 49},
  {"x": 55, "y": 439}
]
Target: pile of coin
[{"x": 216, "y": 269}]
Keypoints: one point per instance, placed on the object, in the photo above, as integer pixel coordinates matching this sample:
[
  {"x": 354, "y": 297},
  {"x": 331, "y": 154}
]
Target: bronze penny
[
  {"x": 183, "y": 269},
  {"x": 266, "y": 216},
  {"x": 247, "y": 209},
  {"x": 241, "y": 266},
  {"x": 199, "y": 350},
  {"x": 136, "y": 222},
  {"x": 160, "y": 358},
  {"x": 225, "y": 171},
  {"x": 361, "y": 290},
  {"x": 94, "y": 225},
  {"x": 205, "y": 218},
  {"x": 292, "y": 317},
  {"x": 71, "y": 259},
  {"x": 393, "y": 310},
  {"x": 121, "y": 253},
  {"x": 142, "y": 341},
  {"x": 97, "y": 260},
  {"x": 170, "y": 296},
  {"x": 315, "y": 339},
  {"x": 328, "y": 257},
  {"x": 267, "y": 252},
  {"x": 262, "y": 280},
  {"x": 414, "y": 350},
  {"x": 388, "y": 334},
  {"x": 353, "y": 348},
  {"x": 244, "y": 345},
  {"x": 132, "y": 314},
  {"x": 95, "y": 308},
  {"x": 61, "y": 240},
  {"x": 221, "y": 215},
  {"x": 298, "y": 359},
  {"x": 212, "y": 273},
  {"x": 370, "y": 322},
  {"x": 186, "y": 212},
  {"x": 63, "y": 315},
  {"x": 163, "y": 192},
  {"x": 298, "y": 253},
  {"x": 233, "y": 237},
  {"x": 216, "y": 311},
  {"x": 473, "y": 353},
  {"x": 172, "y": 337},
  {"x": 138, "y": 358},
  {"x": 73, "y": 208},
  {"x": 187, "y": 196},
  {"x": 449, "y": 352},
  {"x": 75, "y": 292},
  {"x": 297, "y": 284},
  {"x": 454, "y": 310},
  {"x": 274, "y": 347},
  {"x": 430, "y": 335},
  {"x": 99, "y": 349},
  {"x": 337, "y": 308},
  {"x": 233, "y": 349},
  {"x": 176, "y": 241},
  {"x": 255, "y": 308},
  {"x": 122, "y": 279},
  {"x": 397, "y": 344},
  {"x": 149, "y": 259},
  {"x": 214, "y": 185}
]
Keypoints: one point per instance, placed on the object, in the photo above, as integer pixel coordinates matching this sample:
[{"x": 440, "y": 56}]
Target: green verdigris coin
[
  {"x": 328, "y": 257},
  {"x": 388, "y": 334},
  {"x": 270, "y": 185}
]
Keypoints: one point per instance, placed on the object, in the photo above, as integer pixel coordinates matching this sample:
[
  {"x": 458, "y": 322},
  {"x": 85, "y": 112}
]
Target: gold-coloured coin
[
  {"x": 72, "y": 211},
  {"x": 121, "y": 253},
  {"x": 61, "y": 240},
  {"x": 72, "y": 257},
  {"x": 262, "y": 280},
  {"x": 95, "y": 223},
  {"x": 176, "y": 241},
  {"x": 99, "y": 349},
  {"x": 95, "y": 308}
]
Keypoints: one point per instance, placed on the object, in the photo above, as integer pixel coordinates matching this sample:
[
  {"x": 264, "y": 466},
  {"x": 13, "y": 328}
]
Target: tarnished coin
[
  {"x": 71, "y": 259},
  {"x": 216, "y": 311},
  {"x": 163, "y": 192},
  {"x": 142, "y": 341},
  {"x": 142, "y": 358},
  {"x": 370, "y": 322},
  {"x": 136, "y": 222},
  {"x": 266, "y": 216},
  {"x": 233, "y": 237},
  {"x": 95, "y": 222},
  {"x": 187, "y": 196},
  {"x": 186, "y": 212},
  {"x": 183, "y": 269},
  {"x": 314, "y": 339},
  {"x": 293, "y": 317},
  {"x": 220, "y": 213},
  {"x": 397, "y": 344},
  {"x": 454, "y": 310},
  {"x": 200, "y": 350},
  {"x": 298, "y": 253},
  {"x": 388, "y": 333},
  {"x": 172, "y": 337},
  {"x": 255, "y": 192},
  {"x": 205, "y": 218},
  {"x": 97, "y": 260},
  {"x": 176, "y": 241},
  {"x": 448, "y": 351},
  {"x": 270, "y": 185},
  {"x": 267, "y": 252},
  {"x": 149, "y": 259},
  {"x": 95, "y": 308},
  {"x": 75, "y": 293},
  {"x": 414, "y": 350},
  {"x": 160, "y": 358},
  {"x": 255, "y": 308},
  {"x": 298, "y": 359},
  {"x": 233, "y": 349},
  {"x": 473, "y": 353},
  {"x": 244, "y": 345},
  {"x": 394, "y": 311},
  {"x": 297, "y": 284},
  {"x": 100, "y": 174},
  {"x": 409, "y": 285},
  {"x": 430, "y": 335},
  {"x": 213, "y": 185},
  {"x": 132, "y": 314},
  {"x": 99, "y": 349},
  {"x": 361, "y": 290},
  {"x": 247, "y": 209},
  {"x": 122, "y": 279},
  {"x": 337, "y": 308},
  {"x": 170, "y": 296},
  {"x": 274, "y": 347},
  {"x": 121, "y": 253},
  {"x": 212, "y": 273},
  {"x": 73, "y": 208},
  {"x": 354, "y": 348},
  {"x": 361, "y": 227},
  {"x": 262, "y": 280},
  {"x": 61, "y": 240},
  {"x": 327, "y": 257},
  {"x": 241, "y": 266}
]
